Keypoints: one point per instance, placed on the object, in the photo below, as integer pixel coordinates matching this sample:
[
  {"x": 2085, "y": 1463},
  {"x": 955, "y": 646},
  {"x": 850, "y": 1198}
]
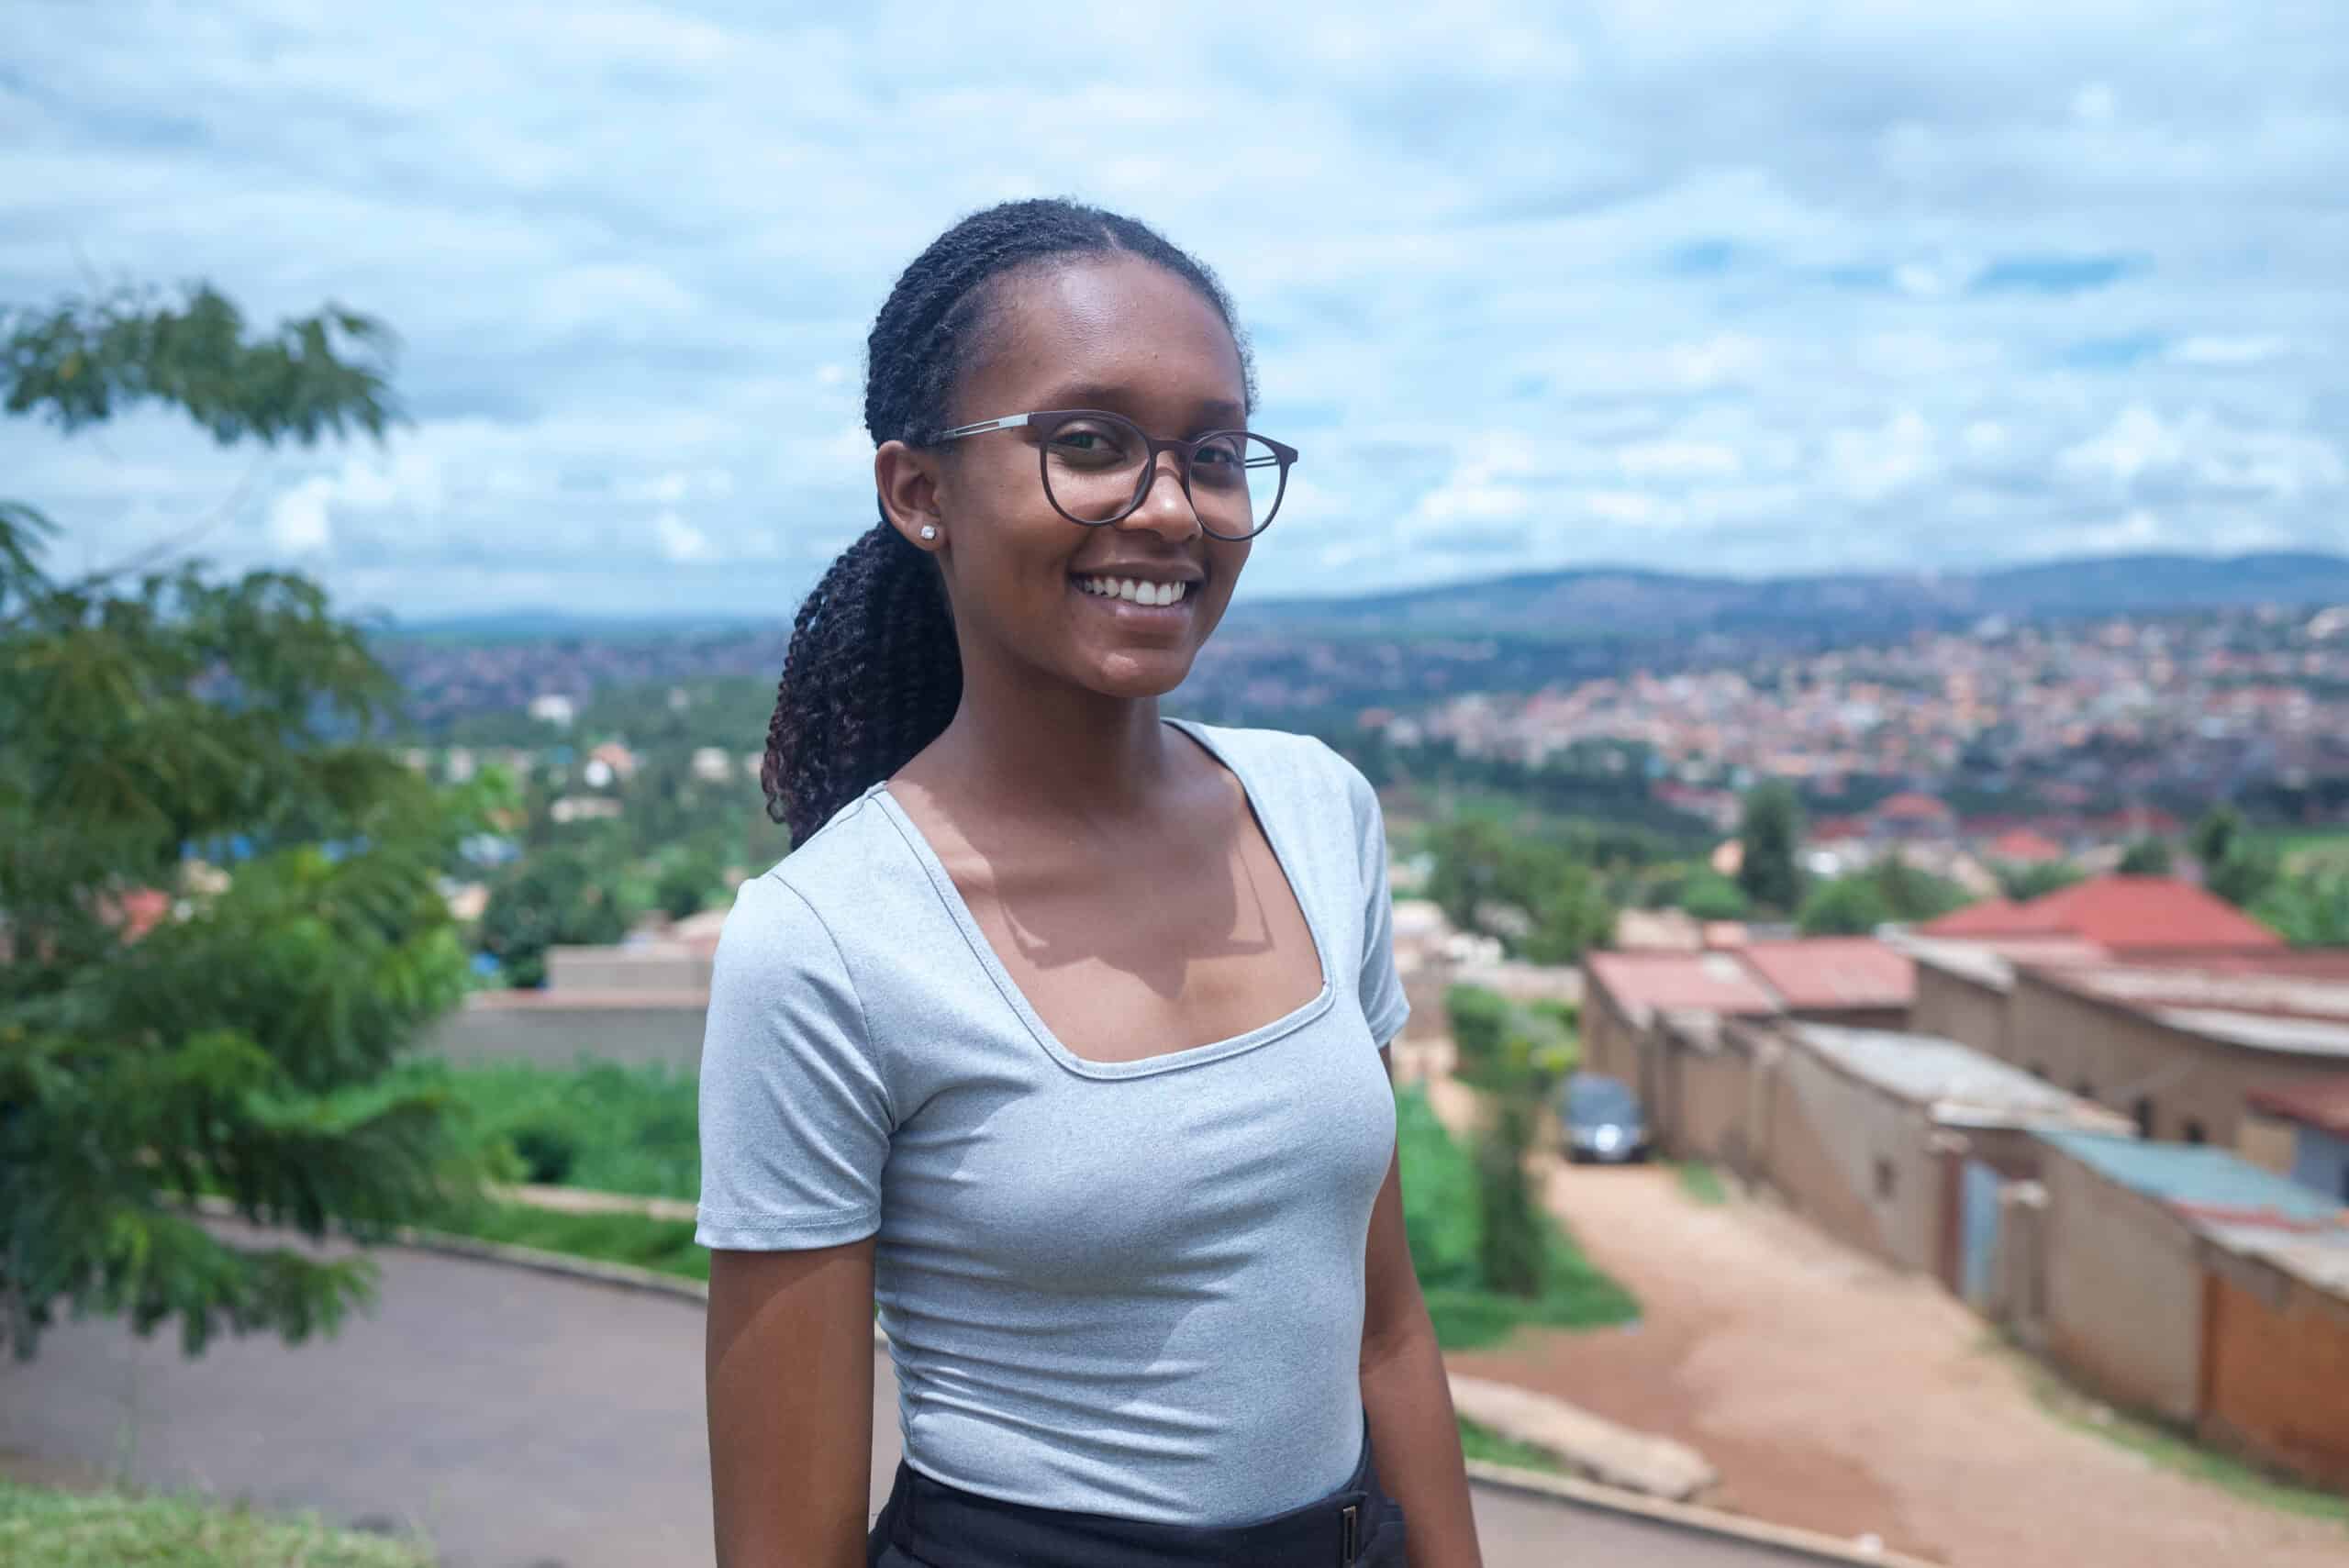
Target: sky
[{"x": 1757, "y": 289}]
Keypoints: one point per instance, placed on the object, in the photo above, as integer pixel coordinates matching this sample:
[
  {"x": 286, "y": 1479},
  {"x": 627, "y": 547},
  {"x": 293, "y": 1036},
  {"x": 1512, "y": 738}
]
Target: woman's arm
[
  {"x": 1408, "y": 1400},
  {"x": 790, "y": 1379}
]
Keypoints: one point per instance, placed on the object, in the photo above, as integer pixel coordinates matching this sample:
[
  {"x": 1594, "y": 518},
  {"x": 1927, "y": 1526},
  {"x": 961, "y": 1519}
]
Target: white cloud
[
  {"x": 298, "y": 523},
  {"x": 1763, "y": 287}
]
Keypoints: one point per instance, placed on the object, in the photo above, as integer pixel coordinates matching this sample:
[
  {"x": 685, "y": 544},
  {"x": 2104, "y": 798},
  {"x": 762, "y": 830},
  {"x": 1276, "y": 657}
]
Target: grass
[
  {"x": 665, "y": 1246},
  {"x": 600, "y": 1125},
  {"x": 1441, "y": 1212},
  {"x": 2308, "y": 848},
  {"x": 1701, "y": 1183},
  {"x": 1483, "y": 1442},
  {"x": 45, "y": 1529},
  {"x": 2168, "y": 1447}
]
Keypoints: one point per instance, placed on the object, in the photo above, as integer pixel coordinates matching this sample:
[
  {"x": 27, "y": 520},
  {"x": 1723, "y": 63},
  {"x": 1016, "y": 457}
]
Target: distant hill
[{"x": 1615, "y": 603}]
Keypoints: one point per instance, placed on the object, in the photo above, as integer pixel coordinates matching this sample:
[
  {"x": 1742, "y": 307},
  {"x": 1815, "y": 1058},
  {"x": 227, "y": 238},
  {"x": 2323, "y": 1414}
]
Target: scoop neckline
[{"x": 942, "y": 884}]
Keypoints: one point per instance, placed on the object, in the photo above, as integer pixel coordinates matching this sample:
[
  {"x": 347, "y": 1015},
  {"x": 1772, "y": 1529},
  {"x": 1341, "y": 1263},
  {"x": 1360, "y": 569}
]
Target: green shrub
[{"x": 601, "y": 1125}]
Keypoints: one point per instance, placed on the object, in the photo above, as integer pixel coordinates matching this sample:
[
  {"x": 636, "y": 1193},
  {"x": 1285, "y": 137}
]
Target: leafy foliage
[
  {"x": 1534, "y": 890},
  {"x": 1889, "y": 890},
  {"x": 165, "y": 1033},
  {"x": 564, "y": 895},
  {"x": 2023, "y": 883},
  {"x": 602, "y": 1125},
  {"x": 2236, "y": 866},
  {"x": 2307, "y": 908},
  {"x": 83, "y": 360},
  {"x": 1770, "y": 833},
  {"x": 2146, "y": 856}
]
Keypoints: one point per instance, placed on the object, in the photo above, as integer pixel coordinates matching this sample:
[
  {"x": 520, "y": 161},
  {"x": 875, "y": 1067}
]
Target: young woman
[{"x": 1059, "y": 1034}]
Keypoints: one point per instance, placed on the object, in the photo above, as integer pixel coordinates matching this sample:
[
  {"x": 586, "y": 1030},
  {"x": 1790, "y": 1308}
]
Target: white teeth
[{"x": 1134, "y": 590}]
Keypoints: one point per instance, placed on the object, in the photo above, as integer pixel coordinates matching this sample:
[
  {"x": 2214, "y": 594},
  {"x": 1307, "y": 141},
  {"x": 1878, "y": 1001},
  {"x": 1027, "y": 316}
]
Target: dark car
[{"x": 1602, "y": 1119}]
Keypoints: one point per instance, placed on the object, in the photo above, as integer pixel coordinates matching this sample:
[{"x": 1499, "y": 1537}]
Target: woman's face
[{"x": 1120, "y": 334}]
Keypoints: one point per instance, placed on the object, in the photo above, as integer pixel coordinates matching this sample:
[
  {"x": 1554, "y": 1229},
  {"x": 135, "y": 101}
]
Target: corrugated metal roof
[
  {"x": 2192, "y": 1176},
  {"x": 2117, "y": 911},
  {"x": 2262, "y": 1031},
  {"x": 2323, "y": 1104},
  {"x": 1954, "y": 1082},
  {"x": 1646, "y": 983},
  {"x": 1824, "y": 973},
  {"x": 1991, "y": 961}
]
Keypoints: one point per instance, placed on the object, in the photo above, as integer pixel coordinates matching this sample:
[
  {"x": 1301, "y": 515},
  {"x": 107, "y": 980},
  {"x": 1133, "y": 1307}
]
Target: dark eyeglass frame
[{"x": 1049, "y": 420}]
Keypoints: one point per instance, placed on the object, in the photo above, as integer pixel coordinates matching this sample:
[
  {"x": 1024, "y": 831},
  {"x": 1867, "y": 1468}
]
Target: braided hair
[{"x": 873, "y": 673}]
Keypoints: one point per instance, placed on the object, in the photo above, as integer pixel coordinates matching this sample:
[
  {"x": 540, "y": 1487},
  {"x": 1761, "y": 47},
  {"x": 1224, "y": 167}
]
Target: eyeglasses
[{"x": 1098, "y": 467}]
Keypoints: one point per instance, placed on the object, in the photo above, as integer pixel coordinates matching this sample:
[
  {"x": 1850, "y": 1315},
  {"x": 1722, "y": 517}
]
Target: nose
[{"x": 1165, "y": 510}]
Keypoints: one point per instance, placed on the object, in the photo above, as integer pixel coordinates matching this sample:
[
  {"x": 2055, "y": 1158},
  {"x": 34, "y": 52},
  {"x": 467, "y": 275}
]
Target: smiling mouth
[{"x": 1141, "y": 593}]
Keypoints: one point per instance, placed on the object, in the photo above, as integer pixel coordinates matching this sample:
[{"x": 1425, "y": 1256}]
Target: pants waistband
[{"x": 944, "y": 1523}]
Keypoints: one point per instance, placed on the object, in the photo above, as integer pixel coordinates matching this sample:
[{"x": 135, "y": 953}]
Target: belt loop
[{"x": 1347, "y": 1517}]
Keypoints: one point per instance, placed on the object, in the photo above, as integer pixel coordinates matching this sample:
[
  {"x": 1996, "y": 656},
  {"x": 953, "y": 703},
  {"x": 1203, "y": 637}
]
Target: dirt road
[{"x": 1837, "y": 1395}]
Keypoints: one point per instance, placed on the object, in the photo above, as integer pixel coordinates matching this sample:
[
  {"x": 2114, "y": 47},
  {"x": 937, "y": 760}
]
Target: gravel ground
[{"x": 1838, "y": 1395}]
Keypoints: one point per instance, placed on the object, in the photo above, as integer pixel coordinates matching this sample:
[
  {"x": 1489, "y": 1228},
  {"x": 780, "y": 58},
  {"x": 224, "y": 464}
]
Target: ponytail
[{"x": 872, "y": 676}]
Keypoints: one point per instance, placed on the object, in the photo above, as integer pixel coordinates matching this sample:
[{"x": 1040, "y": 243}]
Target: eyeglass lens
[{"x": 1095, "y": 469}]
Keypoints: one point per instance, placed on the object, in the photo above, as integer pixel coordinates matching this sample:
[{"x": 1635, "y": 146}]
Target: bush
[
  {"x": 614, "y": 1129},
  {"x": 1444, "y": 1213}
]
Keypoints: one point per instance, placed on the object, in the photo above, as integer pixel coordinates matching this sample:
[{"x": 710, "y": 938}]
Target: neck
[{"x": 1027, "y": 748}]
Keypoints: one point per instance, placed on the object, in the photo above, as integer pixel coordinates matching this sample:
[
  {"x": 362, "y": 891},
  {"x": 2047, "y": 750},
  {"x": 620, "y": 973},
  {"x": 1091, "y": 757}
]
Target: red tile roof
[
  {"x": 2322, "y": 1104},
  {"x": 2022, "y": 845},
  {"x": 1914, "y": 808},
  {"x": 1664, "y": 982},
  {"x": 1823, "y": 974},
  {"x": 2121, "y": 912}
]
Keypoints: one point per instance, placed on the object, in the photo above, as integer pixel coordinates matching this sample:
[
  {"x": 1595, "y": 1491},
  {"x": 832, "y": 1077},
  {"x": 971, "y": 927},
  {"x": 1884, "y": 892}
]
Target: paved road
[{"x": 521, "y": 1420}]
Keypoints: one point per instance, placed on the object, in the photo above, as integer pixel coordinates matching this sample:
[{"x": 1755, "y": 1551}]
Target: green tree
[
  {"x": 1570, "y": 911},
  {"x": 1770, "y": 835},
  {"x": 1709, "y": 895},
  {"x": 2235, "y": 866},
  {"x": 567, "y": 896},
  {"x": 243, "y": 1044},
  {"x": 1845, "y": 906},
  {"x": 1485, "y": 864},
  {"x": 2307, "y": 908},
  {"x": 2023, "y": 883},
  {"x": 1511, "y": 1246},
  {"x": 2146, "y": 856}
]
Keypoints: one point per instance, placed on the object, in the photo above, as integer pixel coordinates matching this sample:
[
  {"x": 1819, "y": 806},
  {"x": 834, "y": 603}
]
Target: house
[
  {"x": 1857, "y": 980},
  {"x": 2177, "y": 1040},
  {"x": 1894, "y": 1142},
  {"x": 1626, "y": 993},
  {"x": 2023, "y": 846},
  {"x": 1634, "y": 1000},
  {"x": 2316, "y": 1115},
  {"x": 2191, "y": 1285}
]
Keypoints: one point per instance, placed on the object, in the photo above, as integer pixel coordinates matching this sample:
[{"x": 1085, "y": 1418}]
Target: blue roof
[{"x": 2195, "y": 1175}]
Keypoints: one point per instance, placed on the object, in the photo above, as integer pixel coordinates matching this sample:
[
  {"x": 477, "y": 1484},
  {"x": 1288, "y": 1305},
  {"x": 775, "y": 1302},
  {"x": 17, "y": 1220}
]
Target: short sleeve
[
  {"x": 796, "y": 1116},
  {"x": 1381, "y": 987}
]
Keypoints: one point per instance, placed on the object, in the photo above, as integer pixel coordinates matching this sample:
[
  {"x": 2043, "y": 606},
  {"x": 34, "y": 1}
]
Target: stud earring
[{"x": 928, "y": 533}]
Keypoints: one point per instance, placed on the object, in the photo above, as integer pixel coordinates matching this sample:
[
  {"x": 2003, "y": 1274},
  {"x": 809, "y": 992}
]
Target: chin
[{"x": 1123, "y": 674}]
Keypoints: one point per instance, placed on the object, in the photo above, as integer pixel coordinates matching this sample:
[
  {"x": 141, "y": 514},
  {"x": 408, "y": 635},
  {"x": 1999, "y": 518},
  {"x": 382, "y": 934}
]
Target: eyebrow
[{"x": 1118, "y": 400}]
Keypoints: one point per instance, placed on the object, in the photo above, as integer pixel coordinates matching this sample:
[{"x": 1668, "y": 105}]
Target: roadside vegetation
[
  {"x": 44, "y": 1528},
  {"x": 1701, "y": 1183},
  {"x": 2164, "y": 1445}
]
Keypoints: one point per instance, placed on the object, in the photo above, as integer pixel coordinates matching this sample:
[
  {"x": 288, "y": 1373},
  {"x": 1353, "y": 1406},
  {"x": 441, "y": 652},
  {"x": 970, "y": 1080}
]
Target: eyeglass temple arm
[{"x": 983, "y": 427}]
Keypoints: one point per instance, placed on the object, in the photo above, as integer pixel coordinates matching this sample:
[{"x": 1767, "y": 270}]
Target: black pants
[{"x": 927, "y": 1524}]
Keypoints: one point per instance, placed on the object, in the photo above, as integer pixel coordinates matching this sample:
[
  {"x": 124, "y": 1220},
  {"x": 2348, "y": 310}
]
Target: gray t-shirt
[{"x": 1131, "y": 1288}]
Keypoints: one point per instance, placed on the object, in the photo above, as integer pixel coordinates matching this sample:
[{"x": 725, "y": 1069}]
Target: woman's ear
[{"x": 907, "y": 479}]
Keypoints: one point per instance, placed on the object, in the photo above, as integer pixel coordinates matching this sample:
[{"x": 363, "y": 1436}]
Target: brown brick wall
[{"x": 2277, "y": 1379}]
